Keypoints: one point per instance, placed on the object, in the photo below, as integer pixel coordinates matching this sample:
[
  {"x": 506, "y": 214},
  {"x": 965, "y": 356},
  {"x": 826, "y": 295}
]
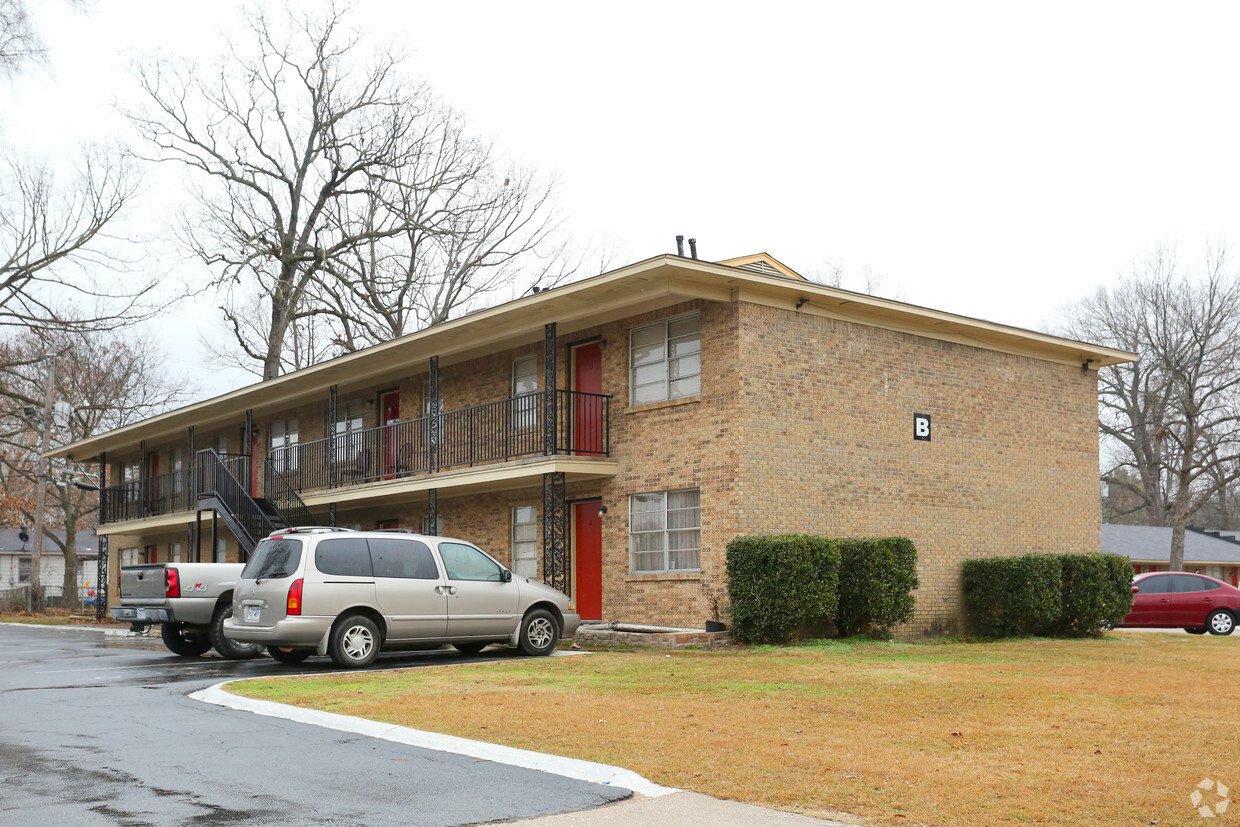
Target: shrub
[
  {"x": 877, "y": 578},
  {"x": 1066, "y": 595},
  {"x": 1097, "y": 593},
  {"x": 1013, "y": 595},
  {"x": 777, "y": 584}
]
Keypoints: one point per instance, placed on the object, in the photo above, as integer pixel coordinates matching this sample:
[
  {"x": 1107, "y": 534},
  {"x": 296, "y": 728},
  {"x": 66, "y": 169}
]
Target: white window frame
[
  {"x": 665, "y": 532},
  {"x": 283, "y": 441},
  {"x": 524, "y": 386},
  {"x": 670, "y": 363},
  {"x": 350, "y": 421},
  {"x": 129, "y": 556},
  {"x": 221, "y": 550},
  {"x": 525, "y": 549},
  {"x": 174, "y": 552}
]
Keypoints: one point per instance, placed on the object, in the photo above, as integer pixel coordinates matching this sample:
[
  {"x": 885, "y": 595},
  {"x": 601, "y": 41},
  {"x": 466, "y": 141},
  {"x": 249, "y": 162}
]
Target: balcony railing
[
  {"x": 491, "y": 432},
  {"x": 162, "y": 494}
]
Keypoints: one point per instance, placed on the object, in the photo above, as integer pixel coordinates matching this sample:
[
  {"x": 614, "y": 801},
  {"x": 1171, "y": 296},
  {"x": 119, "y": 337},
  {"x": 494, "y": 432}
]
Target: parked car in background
[
  {"x": 349, "y": 594},
  {"x": 1192, "y": 602}
]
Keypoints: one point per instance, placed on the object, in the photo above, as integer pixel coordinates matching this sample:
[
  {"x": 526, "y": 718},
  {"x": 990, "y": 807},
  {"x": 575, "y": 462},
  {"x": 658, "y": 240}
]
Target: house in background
[
  {"x": 611, "y": 436},
  {"x": 17, "y": 556},
  {"x": 1212, "y": 553}
]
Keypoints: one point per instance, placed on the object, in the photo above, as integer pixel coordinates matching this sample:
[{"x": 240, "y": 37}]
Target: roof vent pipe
[
  {"x": 680, "y": 245},
  {"x": 693, "y": 247}
]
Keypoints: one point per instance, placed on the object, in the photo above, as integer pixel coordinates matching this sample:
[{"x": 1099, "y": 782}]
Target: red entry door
[
  {"x": 152, "y": 471},
  {"x": 588, "y": 410},
  {"x": 391, "y": 415},
  {"x": 588, "y": 551}
]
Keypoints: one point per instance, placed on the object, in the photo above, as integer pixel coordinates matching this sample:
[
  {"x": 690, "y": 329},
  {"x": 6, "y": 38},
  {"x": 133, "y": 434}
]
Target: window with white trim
[
  {"x": 524, "y": 385},
  {"x": 665, "y": 360},
  {"x": 174, "y": 552},
  {"x": 348, "y": 428},
  {"x": 130, "y": 556},
  {"x": 665, "y": 531},
  {"x": 284, "y": 444},
  {"x": 221, "y": 550},
  {"x": 525, "y": 540}
]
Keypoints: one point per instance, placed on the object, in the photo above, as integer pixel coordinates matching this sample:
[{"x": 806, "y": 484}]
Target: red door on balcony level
[
  {"x": 152, "y": 471},
  {"x": 588, "y": 410},
  {"x": 588, "y": 551},
  {"x": 390, "y": 404}
]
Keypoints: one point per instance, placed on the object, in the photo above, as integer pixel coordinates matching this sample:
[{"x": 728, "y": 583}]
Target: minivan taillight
[
  {"x": 293, "y": 607},
  {"x": 172, "y": 583}
]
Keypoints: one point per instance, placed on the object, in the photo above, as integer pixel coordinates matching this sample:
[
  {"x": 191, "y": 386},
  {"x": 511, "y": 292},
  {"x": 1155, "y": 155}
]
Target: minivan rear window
[
  {"x": 273, "y": 559},
  {"x": 345, "y": 558},
  {"x": 403, "y": 558}
]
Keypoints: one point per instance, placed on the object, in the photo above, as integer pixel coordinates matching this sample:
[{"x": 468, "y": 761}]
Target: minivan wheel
[
  {"x": 289, "y": 656},
  {"x": 539, "y": 633},
  {"x": 185, "y": 640},
  {"x": 354, "y": 642},
  {"x": 232, "y": 649},
  {"x": 469, "y": 648},
  {"x": 1221, "y": 623}
]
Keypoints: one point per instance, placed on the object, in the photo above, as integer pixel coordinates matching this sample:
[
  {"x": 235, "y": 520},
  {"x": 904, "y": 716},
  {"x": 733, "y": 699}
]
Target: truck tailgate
[{"x": 143, "y": 584}]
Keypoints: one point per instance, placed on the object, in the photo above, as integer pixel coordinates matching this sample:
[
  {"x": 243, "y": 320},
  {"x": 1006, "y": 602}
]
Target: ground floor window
[
  {"x": 525, "y": 541},
  {"x": 221, "y": 550},
  {"x": 174, "y": 552},
  {"x": 130, "y": 556},
  {"x": 23, "y": 569},
  {"x": 665, "y": 531}
]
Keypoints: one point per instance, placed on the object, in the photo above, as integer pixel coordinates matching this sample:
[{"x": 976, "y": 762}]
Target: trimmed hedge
[
  {"x": 877, "y": 579},
  {"x": 1069, "y": 595},
  {"x": 776, "y": 584}
]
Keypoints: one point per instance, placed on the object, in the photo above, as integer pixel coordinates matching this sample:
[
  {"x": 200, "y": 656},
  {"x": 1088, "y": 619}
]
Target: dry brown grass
[{"x": 1111, "y": 732}]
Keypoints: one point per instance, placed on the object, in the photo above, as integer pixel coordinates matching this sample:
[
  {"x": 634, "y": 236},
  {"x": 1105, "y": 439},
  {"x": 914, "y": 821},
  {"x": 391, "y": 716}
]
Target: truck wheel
[
  {"x": 354, "y": 642},
  {"x": 231, "y": 649},
  {"x": 185, "y": 640},
  {"x": 539, "y": 633},
  {"x": 289, "y": 656}
]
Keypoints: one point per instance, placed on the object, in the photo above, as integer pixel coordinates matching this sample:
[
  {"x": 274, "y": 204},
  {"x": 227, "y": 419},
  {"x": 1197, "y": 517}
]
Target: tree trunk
[
  {"x": 70, "y": 599},
  {"x": 1177, "y": 547}
]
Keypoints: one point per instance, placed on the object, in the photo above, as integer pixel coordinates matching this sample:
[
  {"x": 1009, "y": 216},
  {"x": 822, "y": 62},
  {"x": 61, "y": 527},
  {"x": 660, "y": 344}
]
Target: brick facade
[{"x": 804, "y": 424}]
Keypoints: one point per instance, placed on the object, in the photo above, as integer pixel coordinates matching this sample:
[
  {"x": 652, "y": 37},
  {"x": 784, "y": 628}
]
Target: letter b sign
[{"x": 921, "y": 427}]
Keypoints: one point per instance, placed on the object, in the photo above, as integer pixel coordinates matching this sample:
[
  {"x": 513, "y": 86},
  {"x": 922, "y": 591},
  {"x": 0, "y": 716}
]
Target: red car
[{"x": 1192, "y": 602}]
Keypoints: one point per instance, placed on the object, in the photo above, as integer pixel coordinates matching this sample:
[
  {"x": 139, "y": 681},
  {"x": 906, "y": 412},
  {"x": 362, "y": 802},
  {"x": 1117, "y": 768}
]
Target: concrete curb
[{"x": 557, "y": 765}]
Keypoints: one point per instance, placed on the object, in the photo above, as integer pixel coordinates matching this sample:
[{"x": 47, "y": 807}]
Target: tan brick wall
[{"x": 828, "y": 447}]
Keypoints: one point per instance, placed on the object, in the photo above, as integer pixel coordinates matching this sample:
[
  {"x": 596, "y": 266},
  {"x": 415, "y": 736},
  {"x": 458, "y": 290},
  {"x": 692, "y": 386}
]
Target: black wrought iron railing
[
  {"x": 281, "y": 494},
  {"x": 215, "y": 478},
  {"x": 147, "y": 497},
  {"x": 522, "y": 426},
  {"x": 491, "y": 432}
]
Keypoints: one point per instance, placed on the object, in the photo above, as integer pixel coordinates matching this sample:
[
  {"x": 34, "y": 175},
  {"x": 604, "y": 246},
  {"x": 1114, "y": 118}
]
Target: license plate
[{"x": 252, "y": 613}]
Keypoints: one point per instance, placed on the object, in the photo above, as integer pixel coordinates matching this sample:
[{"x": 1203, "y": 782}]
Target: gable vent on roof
[{"x": 761, "y": 267}]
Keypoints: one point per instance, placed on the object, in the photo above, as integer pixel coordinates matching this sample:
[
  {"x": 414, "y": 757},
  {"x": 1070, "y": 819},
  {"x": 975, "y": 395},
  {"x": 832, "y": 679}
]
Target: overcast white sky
[{"x": 990, "y": 159}]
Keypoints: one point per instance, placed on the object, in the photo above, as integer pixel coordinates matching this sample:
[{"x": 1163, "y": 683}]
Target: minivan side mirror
[
  {"x": 1136, "y": 589},
  {"x": 505, "y": 576}
]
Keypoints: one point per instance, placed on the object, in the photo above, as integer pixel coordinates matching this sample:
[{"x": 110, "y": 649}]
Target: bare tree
[
  {"x": 105, "y": 380},
  {"x": 20, "y": 42},
  {"x": 315, "y": 163},
  {"x": 865, "y": 279},
  {"x": 1170, "y": 422}
]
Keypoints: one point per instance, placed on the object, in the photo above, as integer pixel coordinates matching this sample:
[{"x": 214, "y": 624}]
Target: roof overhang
[{"x": 647, "y": 285}]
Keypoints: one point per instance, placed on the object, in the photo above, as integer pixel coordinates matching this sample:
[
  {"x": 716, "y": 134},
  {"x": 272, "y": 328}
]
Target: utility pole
[{"x": 40, "y": 498}]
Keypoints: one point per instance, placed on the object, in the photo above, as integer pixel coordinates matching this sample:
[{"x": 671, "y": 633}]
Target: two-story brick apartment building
[{"x": 612, "y": 435}]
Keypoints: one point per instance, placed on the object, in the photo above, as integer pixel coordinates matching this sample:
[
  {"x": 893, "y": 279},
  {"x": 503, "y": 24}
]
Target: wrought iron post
[
  {"x": 331, "y": 514},
  {"x": 101, "y": 564},
  {"x": 248, "y": 450},
  {"x": 144, "y": 492},
  {"x": 549, "y": 383},
  {"x": 555, "y": 532},
  {"x": 333, "y": 473},
  {"x": 432, "y": 511},
  {"x": 433, "y": 424},
  {"x": 101, "y": 575}
]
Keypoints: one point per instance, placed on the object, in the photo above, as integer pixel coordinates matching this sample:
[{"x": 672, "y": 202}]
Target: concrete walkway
[{"x": 684, "y": 809}]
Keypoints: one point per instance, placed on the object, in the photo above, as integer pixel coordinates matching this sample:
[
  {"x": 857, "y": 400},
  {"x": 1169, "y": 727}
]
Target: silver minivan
[{"x": 349, "y": 594}]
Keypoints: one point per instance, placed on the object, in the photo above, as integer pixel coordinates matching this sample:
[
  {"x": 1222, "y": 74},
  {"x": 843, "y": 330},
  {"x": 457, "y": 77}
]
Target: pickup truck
[{"x": 190, "y": 601}]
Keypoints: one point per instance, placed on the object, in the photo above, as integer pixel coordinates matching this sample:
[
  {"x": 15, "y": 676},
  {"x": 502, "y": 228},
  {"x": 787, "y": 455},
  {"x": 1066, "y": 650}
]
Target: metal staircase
[{"x": 250, "y": 519}]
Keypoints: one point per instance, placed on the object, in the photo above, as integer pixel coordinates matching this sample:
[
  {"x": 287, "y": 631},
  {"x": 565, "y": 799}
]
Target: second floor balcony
[{"x": 543, "y": 423}]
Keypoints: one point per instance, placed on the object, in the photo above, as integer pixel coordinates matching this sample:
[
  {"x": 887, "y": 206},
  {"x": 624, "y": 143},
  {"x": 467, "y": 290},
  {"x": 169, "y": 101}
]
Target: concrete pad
[{"x": 684, "y": 809}]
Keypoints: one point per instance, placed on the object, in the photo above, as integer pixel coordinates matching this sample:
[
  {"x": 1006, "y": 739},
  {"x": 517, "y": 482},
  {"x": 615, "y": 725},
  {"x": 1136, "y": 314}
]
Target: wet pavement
[{"x": 97, "y": 729}]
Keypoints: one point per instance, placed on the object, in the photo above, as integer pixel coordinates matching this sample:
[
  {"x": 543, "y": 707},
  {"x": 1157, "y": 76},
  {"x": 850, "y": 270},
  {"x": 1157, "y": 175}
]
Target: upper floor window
[
  {"x": 665, "y": 531},
  {"x": 665, "y": 360},
  {"x": 524, "y": 383},
  {"x": 284, "y": 444},
  {"x": 348, "y": 427}
]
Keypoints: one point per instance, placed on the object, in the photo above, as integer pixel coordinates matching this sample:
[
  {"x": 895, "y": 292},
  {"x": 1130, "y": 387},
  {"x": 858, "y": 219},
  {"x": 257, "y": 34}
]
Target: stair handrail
[
  {"x": 216, "y": 479},
  {"x": 284, "y": 498}
]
